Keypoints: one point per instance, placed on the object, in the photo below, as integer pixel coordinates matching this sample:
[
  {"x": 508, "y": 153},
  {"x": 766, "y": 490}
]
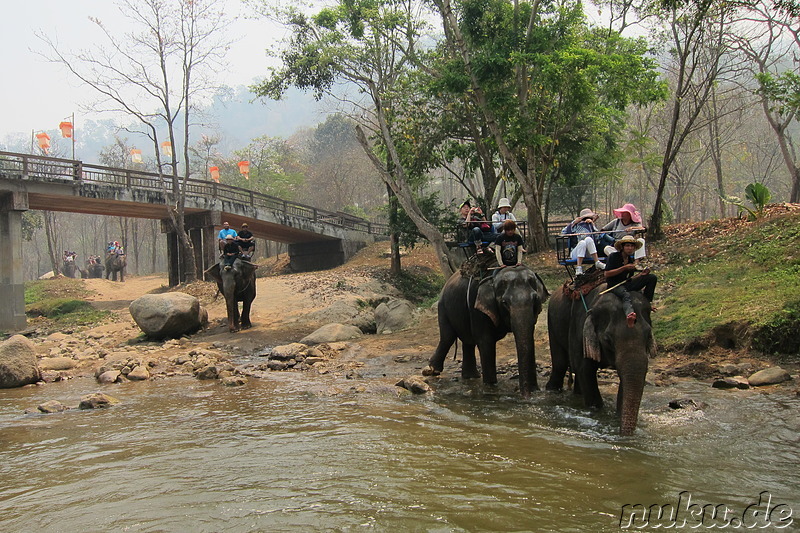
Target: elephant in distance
[
  {"x": 237, "y": 283},
  {"x": 115, "y": 264}
]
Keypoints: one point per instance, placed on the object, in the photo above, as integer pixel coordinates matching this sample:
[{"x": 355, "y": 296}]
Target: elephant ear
[
  {"x": 248, "y": 268},
  {"x": 543, "y": 294},
  {"x": 591, "y": 342},
  {"x": 213, "y": 273},
  {"x": 652, "y": 347},
  {"x": 485, "y": 302}
]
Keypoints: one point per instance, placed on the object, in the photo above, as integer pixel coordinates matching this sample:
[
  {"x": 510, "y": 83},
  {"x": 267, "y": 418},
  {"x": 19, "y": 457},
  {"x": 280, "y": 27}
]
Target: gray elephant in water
[
  {"x": 237, "y": 283},
  {"x": 480, "y": 313},
  {"x": 115, "y": 264},
  {"x": 584, "y": 342}
]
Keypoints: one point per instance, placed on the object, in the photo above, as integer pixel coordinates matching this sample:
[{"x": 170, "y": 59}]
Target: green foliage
[
  {"x": 437, "y": 214},
  {"x": 717, "y": 277},
  {"x": 54, "y": 307},
  {"x": 779, "y": 335},
  {"x": 757, "y": 194},
  {"x": 31, "y": 221},
  {"x": 782, "y": 91},
  {"x": 48, "y": 289},
  {"x": 421, "y": 287}
]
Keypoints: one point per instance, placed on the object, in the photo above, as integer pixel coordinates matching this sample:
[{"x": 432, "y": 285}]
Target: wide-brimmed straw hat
[
  {"x": 629, "y": 208},
  {"x": 588, "y": 213},
  {"x": 503, "y": 203},
  {"x": 627, "y": 239}
]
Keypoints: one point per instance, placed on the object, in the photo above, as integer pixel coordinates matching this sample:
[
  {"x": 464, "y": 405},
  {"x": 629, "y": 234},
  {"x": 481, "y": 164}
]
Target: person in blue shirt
[{"x": 224, "y": 232}]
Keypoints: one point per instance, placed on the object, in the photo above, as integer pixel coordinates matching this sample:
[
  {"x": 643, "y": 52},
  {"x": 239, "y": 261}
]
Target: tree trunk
[
  {"x": 394, "y": 236},
  {"x": 52, "y": 244}
]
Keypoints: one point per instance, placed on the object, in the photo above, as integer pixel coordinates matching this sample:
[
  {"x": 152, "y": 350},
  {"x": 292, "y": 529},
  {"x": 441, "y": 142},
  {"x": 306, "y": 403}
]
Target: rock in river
[
  {"x": 18, "y": 363},
  {"x": 769, "y": 376},
  {"x": 167, "y": 315}
]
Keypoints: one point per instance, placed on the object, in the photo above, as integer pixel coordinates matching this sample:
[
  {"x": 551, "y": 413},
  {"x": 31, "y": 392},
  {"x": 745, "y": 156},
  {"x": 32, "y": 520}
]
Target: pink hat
[{"x": 630, "y": 208}]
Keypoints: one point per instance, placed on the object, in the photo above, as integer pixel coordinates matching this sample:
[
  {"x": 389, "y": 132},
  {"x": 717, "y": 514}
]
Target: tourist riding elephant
[
  {"x": 483, "y": 312},
  {"x": 94, "y": 270},
  {"x": 115, "y": 263},
  {"x": 237, "y": 283},
  {"x": 584, "y": 341},
  {"x": 69, "y": 269}
]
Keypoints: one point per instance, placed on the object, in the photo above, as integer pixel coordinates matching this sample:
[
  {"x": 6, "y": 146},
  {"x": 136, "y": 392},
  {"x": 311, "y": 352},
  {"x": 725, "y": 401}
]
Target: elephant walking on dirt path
[
  {"x": 115, "y": 264},
  {"x": 481, "y": 312},
  {"x": 237, "y": 283}
]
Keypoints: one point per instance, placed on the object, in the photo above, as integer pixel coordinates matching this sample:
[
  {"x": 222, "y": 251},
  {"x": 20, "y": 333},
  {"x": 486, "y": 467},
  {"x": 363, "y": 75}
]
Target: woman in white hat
[
  {"x": 583, "y": 247},
  {"x": 502, "y": 214},
  {"x": 623, "y": 275}
]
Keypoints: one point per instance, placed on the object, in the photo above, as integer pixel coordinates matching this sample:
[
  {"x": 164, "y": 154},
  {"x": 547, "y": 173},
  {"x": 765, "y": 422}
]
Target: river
[{"x": 304, "y": 452}]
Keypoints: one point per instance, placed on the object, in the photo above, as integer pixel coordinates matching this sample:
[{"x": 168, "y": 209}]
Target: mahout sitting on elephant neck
[{"x": 591, "y": 333}]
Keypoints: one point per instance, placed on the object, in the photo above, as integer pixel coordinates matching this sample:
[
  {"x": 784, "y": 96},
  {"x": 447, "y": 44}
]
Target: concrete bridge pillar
[
  {"x": 12, "y": 286},
  {"x": 204, "y": 241}
]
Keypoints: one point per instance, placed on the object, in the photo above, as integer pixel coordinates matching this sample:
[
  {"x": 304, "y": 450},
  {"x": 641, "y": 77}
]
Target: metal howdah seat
[{"x": 563, "y": 250}]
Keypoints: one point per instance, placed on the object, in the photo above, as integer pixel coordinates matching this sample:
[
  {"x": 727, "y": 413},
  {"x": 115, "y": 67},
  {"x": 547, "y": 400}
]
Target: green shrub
[
  {"x": 54, "y": 307},
  {"x": 421, "y": 288},
  {"x": 780, "y": 334}
]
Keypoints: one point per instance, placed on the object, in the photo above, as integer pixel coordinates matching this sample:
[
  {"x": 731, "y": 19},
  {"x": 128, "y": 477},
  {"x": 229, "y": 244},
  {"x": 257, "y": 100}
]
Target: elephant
[
  {"x": 237, "y": 283},
  {"x": 69, "y": 269},
  {"x": 480, "y": 313},
  {"x": 93, "y": 270},
  {"x": 115, "y": 263},
  {"x": 583, "y": 341}
]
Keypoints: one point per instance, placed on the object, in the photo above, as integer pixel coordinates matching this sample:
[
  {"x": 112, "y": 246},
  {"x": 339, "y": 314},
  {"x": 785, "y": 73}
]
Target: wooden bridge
[{"x": 317, "y": 238}]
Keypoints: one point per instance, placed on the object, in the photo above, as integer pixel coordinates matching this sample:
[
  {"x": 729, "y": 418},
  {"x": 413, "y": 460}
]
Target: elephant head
[
  {"x": 512, "y": 300},
  {"x": 237, "y": 283}
]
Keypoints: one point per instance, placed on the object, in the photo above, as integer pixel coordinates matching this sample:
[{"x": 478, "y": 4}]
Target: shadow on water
[{"x": 300, "y": 451}]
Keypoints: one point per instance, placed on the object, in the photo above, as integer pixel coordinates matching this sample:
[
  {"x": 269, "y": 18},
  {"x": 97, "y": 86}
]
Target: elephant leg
[
  {"x": 560, "y": 362},
  {"x": 246, "y": 303},
  {"x": 488, "y": 352},
  {"x": 469, "y": 366},
  {"x": 587, "y": 378},
  {"x": 236, "y": 316},
  {"x": 447, "y": 336}
]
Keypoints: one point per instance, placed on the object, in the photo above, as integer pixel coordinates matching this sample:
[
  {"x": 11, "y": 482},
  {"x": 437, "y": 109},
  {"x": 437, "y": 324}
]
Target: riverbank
[{"x": 290, "y": 306}]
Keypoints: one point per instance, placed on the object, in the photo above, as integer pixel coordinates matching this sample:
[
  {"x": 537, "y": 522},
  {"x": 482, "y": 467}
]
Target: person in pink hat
[
  {"x": 628, "y": 220},
  {"x": 582, "y": 233}
]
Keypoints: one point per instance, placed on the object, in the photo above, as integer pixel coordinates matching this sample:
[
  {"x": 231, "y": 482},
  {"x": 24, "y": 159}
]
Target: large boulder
[
  {"x": 332, "y": 333},
  {"x": 394, "y": 315},
  {"x": 18, "y": 363},
  {"x": 167, "y": 315},
  {"x": 769, "y": 376}
]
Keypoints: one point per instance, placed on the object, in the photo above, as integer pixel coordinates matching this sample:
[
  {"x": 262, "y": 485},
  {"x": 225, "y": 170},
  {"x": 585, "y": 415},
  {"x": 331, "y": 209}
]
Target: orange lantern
[
  {"x": 244, "y": 169},
  {"x": 214, "y": 173},
  {"x": 44, "y": 141},
  {"x": 136, "y": 155},
  {"x": 166, "y": 149},
  {"x": 66, "y": 129}
]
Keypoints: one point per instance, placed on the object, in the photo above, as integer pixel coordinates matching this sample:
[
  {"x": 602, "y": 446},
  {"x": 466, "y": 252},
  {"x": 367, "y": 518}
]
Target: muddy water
[{"x": 308, "y": 453}]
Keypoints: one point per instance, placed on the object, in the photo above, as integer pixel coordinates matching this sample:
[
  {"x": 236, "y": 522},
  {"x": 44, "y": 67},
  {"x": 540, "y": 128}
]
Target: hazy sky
[{"x": 37, "y": 95}]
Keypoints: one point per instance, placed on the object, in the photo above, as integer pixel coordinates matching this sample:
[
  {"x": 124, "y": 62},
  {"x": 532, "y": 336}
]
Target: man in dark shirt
[
  {"x": 509, "y": 245},
  {"x": 620, "y": 269},
  {"x": 247, "y": 241},
  {"x": 230, "y": 251}
]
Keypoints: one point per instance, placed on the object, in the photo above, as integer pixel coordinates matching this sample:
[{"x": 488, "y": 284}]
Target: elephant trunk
[
  {"x": 631, "y": 383},
  {"x": 522, "y": 325}
]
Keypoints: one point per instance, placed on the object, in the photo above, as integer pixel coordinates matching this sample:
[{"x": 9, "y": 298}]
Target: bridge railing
[{"x": 52, "y": 168}]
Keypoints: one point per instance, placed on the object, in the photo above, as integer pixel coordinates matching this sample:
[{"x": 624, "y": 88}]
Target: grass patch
[
  {"x": 420, "y": 286},
  {"x": 61, "y": 303},
  {"x": 746, "y": 276},
  {"x": 45, "y": 289}
]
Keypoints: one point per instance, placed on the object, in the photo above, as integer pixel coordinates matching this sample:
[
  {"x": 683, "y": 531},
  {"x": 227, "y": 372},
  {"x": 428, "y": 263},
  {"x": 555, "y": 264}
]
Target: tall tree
[
  {"x": 366, "y": 44},
  {"x": 698, "y": 37},
  {"x": 552, "y": 91},
  {"x": 156, "y": 73},
  {"x": 769, "y": 37}
]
